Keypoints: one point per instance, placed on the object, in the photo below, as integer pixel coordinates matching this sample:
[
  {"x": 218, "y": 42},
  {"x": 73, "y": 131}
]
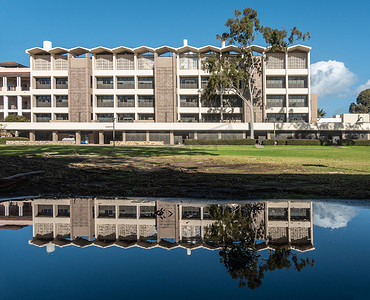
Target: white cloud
[
  {"x": 328, "y": 215},
  {"x": 363, "y": 87},
  {"x": 331, "y": 77}
]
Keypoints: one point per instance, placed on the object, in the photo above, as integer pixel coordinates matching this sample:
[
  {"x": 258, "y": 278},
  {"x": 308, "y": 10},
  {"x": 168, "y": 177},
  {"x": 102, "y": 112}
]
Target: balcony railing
[
  {"x": 61, "y": 85},
  {"x": 44, "y": 86},
  {"x": 146, "y": 86},
  {"x": 189, "y": 85},
  {"x": 11, "y": 88},
  {"x": 105, "y": 104},
  {"x": 61, "y": 104},
  {"x": 126, "y": 104},
  {"x": 43, "y": 104},
  {"x": 25, "y": 88},
  {"x": 104, "y": 86},
  {"x": 130, "y": 85},
  {"x": 189, "y": 104},
  {"x": 146, "y": 104},
  {"x": 26, "y": 106}
]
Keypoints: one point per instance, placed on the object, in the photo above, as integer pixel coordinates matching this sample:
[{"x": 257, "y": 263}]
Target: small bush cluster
[
  {"x": 349, "y": 142},
  {"x": 221, "y": 142},
  {"x": 303, "y": 142},
  {"x": 4, "y": 139}
]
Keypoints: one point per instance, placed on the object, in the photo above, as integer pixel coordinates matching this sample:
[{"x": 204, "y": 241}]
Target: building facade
[{"x": 149, "y": 94}]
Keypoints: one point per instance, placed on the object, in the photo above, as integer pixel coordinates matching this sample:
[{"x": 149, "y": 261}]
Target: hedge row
[
  {"x": 354, "y": 142},
  {"x": 305, "y": 142},
  {"x": 221, "y": 142},
  {"x": 4, "y": 139}
]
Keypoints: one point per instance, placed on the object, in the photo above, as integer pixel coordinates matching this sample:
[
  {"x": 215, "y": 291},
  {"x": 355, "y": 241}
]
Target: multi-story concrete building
[
  {"x": 150, "y": 94},
  {"x": 148, "y": 224}
]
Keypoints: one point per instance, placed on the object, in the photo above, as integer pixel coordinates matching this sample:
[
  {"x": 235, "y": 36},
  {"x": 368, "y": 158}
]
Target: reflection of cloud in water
[{"x": 328, "y": 215}]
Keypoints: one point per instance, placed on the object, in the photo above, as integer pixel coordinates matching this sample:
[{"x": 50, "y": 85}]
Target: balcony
[
  {"x": 25, "y": 88},
  {"x": 12, "y": 88},
  {"x": 125, "y": 85},
  {"x": 43, "y": 104}
]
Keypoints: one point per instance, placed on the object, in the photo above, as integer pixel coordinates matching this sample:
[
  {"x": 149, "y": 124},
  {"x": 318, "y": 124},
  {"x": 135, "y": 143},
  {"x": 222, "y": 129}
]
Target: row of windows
[
  {"x": 293, "y": 82},
  {"x": 292, "y": 117},
  {"x": 293, "y": 101},
  {"x": 45, "y": 101},
  {"x": 296, "y": 60},
  {"x": 45, "y": 83}
]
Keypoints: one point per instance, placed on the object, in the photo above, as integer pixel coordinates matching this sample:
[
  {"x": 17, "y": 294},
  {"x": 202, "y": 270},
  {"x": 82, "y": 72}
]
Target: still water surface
[{"x": 145, "y": 248}]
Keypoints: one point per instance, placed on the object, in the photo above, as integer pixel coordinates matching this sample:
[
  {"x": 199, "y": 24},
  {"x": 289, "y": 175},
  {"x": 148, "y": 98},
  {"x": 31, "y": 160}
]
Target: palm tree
[{"x": 321, "y": 113}]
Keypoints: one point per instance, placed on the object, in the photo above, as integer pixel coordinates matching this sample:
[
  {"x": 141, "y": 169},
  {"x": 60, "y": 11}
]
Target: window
[
  {"x": 297, "y": 82},
  {"x": 189, "y": 101},
  {"x": 61, "y": 117},
  {"x": 188, "y": 82},
  {"x": 300, "y": 214},
  {"x": 214, "y": 102},
  {"x": 44, "y": 210},
  {"x": 277, "y": 213},
  {"x": 275, "y": 61},
  {"x": 297, "y": 60},
  {"x": 189, "y": 61},
  {"x": 61, "y": 83},
  {"x": 126, "y": 117},
  {"x": 63, "y": 211},
  {"x": 104, "y": 101},
  {"x": 43, "y": 117},
  {"x": 146, "y": 82},
  {"x": 190, "y": 212},
  {"x": 147, "y": 211},
  {"x": 104, "y": 62},
  {"x": 145, "y": 61},
  {"x": 275, "y": 82},
  {"x": 43, "y": 101},
  {"x": 298, "y": 118},
  {"x": 276, "y": 117},
  {"x": 104, "y": 82},
  {"x": 204, "y": 81},
  {"x": 232, "y": 101},
  {"x": 43, "y": 83},
  {"x": 125, "y": 83},
  {"x": 104, "y": 117},
  {"x": 127, "y": 212},
  {"x": 232, "y": 117},
  {"x": 298, "y": 101},
  {"x": 146, "y": 101},
  {"x": 61, "y": 101},
  {"x": 125, "y": 62},
  {"x": 107, "y": 211},
  {"x": 211, "y": 118},
  {"x": 275, "y": 101},
  {"x": 126, "y": 101},
  {"x": 189, "y": 118},
  {"x": 146, "y": 117}
]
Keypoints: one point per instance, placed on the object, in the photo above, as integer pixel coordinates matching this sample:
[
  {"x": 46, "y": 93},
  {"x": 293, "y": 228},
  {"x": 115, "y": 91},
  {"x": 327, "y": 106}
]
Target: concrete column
[
  {"x": 19, "y": 104},
  {"x": 32, "y": 136},
  {"x": 78, "y": 137},
  {"x": 172, "y": 138},
  {"x": 6, "y": 105},
  {"x": 5, "y": 83},
  {"x": 195, "y": 135},
  {"x": 219, "y": 135},
  {"x": 55, "y": 136},
  {"x": 123, "y": 136},
  {"x": 244, "y": 135},
  {"x": 101, "y": 137},
  {"x": 20, "y": 209},
  {"x": 147, "y": 136},
  {"x": 7, "y": 209},
  {"x": 18, "y": 87}
]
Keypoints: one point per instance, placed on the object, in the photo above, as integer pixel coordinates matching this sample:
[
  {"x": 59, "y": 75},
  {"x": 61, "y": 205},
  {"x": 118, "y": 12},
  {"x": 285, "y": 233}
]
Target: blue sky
[{"x": 340, "y": 32}]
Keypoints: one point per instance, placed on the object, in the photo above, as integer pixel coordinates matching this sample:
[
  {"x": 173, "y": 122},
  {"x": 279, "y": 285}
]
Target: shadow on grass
[
  {"x": 130, "y": 177},
  {"x": 130, "y": 151}
]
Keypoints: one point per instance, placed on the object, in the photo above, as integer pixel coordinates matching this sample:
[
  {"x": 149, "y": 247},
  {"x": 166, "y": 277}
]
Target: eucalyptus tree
[{"x": 238, "y": 74}]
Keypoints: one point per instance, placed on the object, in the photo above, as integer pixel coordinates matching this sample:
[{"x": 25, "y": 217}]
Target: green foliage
[
  {"x": 4, "y": 139},
  {"x": 350, "y": 142},
  {"x": 237, "y": 73},
  {"x": 16, "y": 118},
  {"x": 321, "y": 113},
  {"x": 363, "y": 103},
  {"x": 326, "y": 142},
  {"x": 221, "y": 142},
  {"x": 303, "y": 142}
]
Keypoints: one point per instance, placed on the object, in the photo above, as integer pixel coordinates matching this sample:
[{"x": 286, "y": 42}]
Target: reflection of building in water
[
  {"x": 148, "y": 224},
  {"x": 15, "y": 215}
]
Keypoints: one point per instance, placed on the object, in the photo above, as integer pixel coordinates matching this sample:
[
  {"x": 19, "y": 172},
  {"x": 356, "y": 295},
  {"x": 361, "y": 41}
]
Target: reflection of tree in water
[{"x": 237, "y": 231}]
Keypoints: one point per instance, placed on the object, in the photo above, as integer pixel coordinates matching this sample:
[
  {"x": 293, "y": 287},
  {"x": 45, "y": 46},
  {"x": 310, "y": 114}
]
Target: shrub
[
  {"x": 326, "y": 142},
  {"x": 221, "y": 142},
  {"x": 303, "y": 142},
  {"x": 350, "y": 142},
  {"x": 4, "y": 139},
  {"x": 272, "y": 142}
]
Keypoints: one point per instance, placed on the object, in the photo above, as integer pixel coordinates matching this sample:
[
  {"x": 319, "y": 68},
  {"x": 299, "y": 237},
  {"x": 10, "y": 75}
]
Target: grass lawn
[{"x": 229, "y": 172}]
